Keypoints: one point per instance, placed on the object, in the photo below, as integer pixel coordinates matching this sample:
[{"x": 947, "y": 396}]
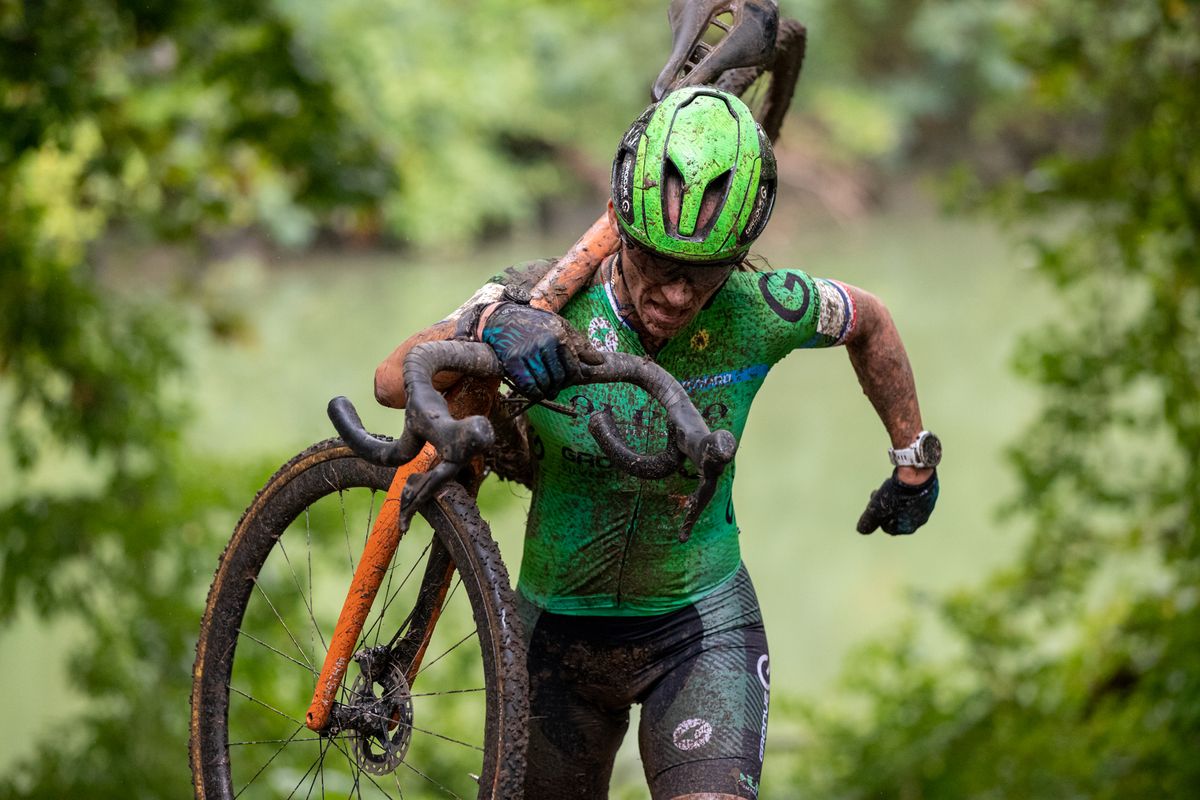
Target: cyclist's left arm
[
  {"x": 883, "y": 370},
  {"x": 799, "y": 311}
]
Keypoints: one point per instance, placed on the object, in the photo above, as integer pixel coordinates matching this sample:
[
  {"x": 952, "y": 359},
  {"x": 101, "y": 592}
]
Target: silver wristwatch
[{"x": 925, "y": 451}]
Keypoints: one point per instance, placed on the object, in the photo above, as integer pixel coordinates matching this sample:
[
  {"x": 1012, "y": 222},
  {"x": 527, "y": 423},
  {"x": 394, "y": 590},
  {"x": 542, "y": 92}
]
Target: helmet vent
[
  {"x": 711, "y": 203},
  {"x": 672, "y": 197}
]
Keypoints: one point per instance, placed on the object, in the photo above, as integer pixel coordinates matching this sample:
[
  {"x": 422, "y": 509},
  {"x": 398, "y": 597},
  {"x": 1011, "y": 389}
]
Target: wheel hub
[{"x": 380, "y": 714}]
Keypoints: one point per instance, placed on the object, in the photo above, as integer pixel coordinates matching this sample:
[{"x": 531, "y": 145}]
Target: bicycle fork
[
  {"x": 368, "y": 577},
  {"x": 469, "y": 396}
]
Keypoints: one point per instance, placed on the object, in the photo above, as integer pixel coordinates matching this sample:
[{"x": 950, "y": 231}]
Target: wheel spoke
[
  {"x": 293, "y": 741},
  {"x": 306, "y": 598},
  {"x": 370, "y": 518},
  {"x": 452, "y": 648},
  {"x": 320, "y": 773},
  {"x": 278, "y": 616},
  {"x": 269, "y": 760},
  {"x": 445, "y": 738},
  {"x": 346, "y": 528},
  {"x": 431, "y": 780},
  {"x": 267, "y": 706},
  {"x": 446, "y": 691},
  {"x": 280, "y": 653},
  {"x": 300, "y": 782},
  {"x": 377, "y": 625},
  {"x": 358, "y": 771}
]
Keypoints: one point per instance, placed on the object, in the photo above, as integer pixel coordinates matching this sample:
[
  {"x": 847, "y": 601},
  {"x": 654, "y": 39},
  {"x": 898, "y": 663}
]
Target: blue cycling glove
[
  {"x": 898, "y": 507},
  {"x": 539, "y": 351}
]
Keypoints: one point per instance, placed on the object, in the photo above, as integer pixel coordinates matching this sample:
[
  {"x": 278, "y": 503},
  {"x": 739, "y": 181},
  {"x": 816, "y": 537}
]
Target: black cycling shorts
[{"x": 700, "y": 673}]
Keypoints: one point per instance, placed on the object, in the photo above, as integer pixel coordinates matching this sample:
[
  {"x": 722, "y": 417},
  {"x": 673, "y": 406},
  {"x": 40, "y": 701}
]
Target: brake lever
[
  {"x": 717, "y": 450},
  {"x": 687, "y": 435},
  {"x": 422, "y": 487}
]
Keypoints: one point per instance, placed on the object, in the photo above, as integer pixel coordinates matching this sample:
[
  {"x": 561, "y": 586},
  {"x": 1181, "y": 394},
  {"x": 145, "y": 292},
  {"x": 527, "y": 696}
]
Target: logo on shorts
[
  {"x": 692, "y": 733},
  {"x": 748, "y": 783},
  {"x": 764, "y": 677},
  {"x": 764, "y": 672}
]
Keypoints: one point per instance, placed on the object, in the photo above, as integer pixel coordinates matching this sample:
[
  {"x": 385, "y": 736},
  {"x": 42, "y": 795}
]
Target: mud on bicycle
[
  {"x": 431, "y": 645},
  {"x": 438, "y": 701}
]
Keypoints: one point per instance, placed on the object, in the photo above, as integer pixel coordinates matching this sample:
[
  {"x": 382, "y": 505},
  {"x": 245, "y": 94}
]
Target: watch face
[{"x": 929, "y": 449}]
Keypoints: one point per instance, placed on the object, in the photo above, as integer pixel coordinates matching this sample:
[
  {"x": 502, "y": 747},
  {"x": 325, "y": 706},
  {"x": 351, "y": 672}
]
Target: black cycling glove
[
  {"x": 540, "y": 352},
  {"x": 898, "y": 507}
]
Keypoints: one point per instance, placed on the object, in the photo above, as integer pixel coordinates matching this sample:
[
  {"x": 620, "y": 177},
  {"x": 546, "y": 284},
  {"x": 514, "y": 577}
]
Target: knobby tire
[{"x": 330, "y": 472}]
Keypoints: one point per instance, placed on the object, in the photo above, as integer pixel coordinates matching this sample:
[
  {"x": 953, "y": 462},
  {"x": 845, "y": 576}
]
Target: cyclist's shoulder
[
  {"x": 767, "y": 289},
  {"x": 788, "y": 308}
]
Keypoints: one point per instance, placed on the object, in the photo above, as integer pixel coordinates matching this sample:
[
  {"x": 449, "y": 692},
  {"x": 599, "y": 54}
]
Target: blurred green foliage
[
  {"x": 167, "y": 121},
  {"x": 1078, "y": 672},
  {"x": 486, "y": 111}
]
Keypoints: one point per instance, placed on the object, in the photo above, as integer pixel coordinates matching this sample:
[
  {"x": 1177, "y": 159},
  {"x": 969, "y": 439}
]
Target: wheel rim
[{"x": 281, "y": 643}]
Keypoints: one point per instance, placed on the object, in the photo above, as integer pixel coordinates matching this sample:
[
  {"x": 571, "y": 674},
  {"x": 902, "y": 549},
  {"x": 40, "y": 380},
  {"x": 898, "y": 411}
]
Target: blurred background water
[{"x": 214, "y": 216}]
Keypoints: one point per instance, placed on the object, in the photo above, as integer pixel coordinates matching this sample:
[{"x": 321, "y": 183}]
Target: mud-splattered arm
[
  {"x": 881, "y": 364},
  {"x": 389, "y": 376}
]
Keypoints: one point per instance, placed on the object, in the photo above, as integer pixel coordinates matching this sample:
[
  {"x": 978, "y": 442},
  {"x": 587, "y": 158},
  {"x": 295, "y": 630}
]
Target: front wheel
[{"x": 448, "y": 721}]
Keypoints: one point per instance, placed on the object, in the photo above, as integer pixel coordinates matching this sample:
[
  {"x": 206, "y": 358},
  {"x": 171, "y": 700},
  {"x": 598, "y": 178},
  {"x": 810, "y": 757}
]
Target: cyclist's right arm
[{"x": 389, "y": 376}]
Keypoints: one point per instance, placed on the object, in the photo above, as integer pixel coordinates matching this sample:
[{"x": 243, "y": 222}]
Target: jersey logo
[
  {"x": 714, "y": 412},
  {"x": 750, "y": 373},
  {"x": 764, "y": 672},
  {"x": 648, "y": 416},
  {"x": 582, "y": 459},
  {"x": 764, "y": 678},
  {"x": 602, "y": 336},
  {"x": 584, "y": 406},
  {"x": 789, "y": 285}
]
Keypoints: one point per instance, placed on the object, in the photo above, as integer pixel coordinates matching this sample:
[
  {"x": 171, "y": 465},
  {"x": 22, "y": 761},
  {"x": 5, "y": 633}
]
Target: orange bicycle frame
[{"x": 470, "y": 396}]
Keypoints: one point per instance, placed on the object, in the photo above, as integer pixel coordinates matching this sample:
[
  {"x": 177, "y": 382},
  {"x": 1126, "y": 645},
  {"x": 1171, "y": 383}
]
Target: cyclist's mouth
[{"x": 663, "y": 319}]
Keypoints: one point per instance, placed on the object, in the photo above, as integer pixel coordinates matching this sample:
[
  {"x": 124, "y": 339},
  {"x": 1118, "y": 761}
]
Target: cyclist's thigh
[
  {"x": 573, "y": 734},
  {"x": 704, "y": 725}
]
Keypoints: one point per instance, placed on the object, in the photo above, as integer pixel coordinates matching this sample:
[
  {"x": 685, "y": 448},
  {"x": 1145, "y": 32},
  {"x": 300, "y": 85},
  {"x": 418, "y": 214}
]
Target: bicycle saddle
[{"x": 749, "y": 40}]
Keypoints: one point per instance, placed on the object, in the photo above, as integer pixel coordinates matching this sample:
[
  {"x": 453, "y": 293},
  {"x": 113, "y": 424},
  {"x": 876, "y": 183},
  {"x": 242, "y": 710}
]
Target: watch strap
[
  {"x": 905, "y": 457},
  {"x": 911, "y": 456}
]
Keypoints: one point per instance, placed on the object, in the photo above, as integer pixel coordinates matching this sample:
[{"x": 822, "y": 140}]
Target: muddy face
[{"x": 664, "y": 295}]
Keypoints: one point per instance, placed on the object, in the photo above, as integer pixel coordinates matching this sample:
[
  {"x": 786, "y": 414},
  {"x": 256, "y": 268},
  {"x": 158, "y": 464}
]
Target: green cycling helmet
[{"x": 707, "y": 143}]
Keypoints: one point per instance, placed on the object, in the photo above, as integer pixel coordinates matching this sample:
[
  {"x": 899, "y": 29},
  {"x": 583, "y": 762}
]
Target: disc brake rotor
[{"x": 380, "y": 748}]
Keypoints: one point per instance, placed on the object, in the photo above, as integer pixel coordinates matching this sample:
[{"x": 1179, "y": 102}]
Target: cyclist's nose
[{"x": 678, "y": 293}]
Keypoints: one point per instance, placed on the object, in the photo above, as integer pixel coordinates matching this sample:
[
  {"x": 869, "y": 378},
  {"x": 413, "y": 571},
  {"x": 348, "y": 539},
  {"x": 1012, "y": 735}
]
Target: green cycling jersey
[{"x": 601, "y": 542}]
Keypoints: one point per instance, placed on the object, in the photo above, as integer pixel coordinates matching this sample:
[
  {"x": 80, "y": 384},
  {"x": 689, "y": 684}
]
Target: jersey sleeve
[
  {"x": 797, "y": 311},
  {"x": 525, "y": 275}
]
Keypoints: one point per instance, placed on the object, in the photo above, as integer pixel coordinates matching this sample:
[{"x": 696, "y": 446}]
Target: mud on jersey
[{"x": 599, "y": 541}]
